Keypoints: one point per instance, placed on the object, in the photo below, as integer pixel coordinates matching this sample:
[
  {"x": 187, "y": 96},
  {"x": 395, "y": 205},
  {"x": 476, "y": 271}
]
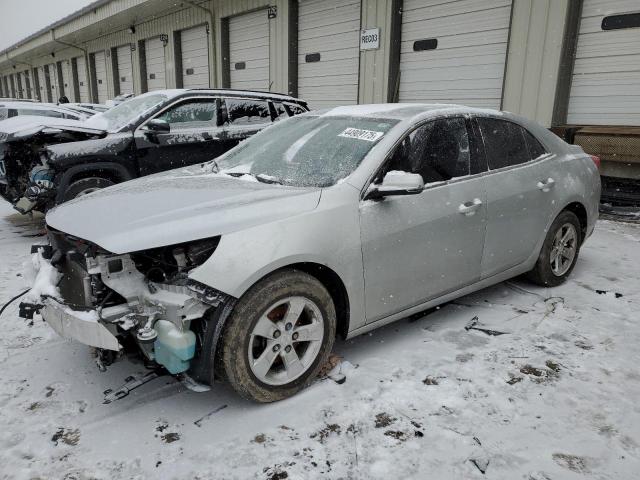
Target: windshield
[
  {"x": 117, "y": 117},
  {"x": 306, "y": 151}
]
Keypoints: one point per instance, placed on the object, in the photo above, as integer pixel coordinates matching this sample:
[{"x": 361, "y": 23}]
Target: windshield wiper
[{"x": 262, "y": 178}]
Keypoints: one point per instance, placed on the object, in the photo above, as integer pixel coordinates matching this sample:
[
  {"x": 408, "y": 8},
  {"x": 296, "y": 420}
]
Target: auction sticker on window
[{"x": 368, "y": 135}]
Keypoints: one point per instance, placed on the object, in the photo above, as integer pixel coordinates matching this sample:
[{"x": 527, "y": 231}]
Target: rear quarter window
[
  {"x": 504, "y": 143},
  {"x": 535, "y": 147}
]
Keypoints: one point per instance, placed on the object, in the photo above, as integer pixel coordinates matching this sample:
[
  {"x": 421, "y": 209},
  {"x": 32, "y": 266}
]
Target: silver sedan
[{"x": 331, "y": 223}]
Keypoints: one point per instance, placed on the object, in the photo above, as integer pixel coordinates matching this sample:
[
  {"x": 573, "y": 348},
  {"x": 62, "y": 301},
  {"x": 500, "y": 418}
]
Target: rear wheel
[
  {"x": 86, "y": 186},
  {"x": 559, "y": 252},
  {"x": 278, "y": 337}
]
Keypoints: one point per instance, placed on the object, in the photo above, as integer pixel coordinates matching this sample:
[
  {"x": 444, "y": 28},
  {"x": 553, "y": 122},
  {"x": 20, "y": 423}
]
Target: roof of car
[
  {"x": 401, "y": 111},
  {"x": 32, "y": 106},
  {"x": 245, "y": 93}
]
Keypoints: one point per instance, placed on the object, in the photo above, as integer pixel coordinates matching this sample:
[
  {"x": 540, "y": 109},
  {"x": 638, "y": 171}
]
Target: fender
[{"x": 115, "y": 169}]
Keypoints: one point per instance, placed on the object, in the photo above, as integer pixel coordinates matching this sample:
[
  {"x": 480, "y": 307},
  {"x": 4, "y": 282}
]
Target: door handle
[
  {"x": 547, "y": 185},
  {"x": 469, "y": 208}
]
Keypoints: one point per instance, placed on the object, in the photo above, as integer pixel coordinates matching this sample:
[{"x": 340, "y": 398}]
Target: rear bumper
[{"x": 84, "y": 327}]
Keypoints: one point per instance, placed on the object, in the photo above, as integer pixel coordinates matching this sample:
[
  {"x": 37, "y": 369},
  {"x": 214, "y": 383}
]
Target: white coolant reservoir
[{"x": 173, "y": 348}]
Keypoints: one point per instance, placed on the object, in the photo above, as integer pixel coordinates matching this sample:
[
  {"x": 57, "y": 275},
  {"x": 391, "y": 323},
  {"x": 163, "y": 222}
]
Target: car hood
[
  {"x": 175, "y": 207},
  {"x": 26, "y": 125}
]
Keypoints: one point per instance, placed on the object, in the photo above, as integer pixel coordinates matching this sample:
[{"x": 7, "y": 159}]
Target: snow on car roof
[
  {"x": 248, "y": 93},
  {"x": 401, "y": 111},
  {"x": 32, "y": 106}
]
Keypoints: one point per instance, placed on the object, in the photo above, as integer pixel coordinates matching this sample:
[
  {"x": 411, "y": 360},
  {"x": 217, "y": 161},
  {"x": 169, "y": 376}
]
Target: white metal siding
[
  {"x": 55, "y": 85},
  {"x": 66, "y": 80},
  {"x": 605, "y": 88},
  {"x": 332, "y": 29},
  {"x": 83, "y": 83},
  {"x": 467, "y": 67},
  {"x": 194, "y": 44},
  {"x": 125, "y": 69},
  {"x": 156, "y": 69},
  {"x": 249, "y": 51},
  {"x": 101, "y": 76}
]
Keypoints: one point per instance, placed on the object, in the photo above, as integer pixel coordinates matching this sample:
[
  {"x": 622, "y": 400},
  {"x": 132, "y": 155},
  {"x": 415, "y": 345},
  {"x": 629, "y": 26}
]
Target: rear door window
[
  {"x": 504, "y": 143},
  {"x": 242, "y": 111}
]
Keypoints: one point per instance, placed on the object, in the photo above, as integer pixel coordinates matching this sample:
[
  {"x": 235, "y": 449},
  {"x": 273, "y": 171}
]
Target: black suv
[{"x": 46, "y": 163}]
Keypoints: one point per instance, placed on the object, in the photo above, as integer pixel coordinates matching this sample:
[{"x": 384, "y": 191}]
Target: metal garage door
[
  {"x": 43, "y": 91},
  {"x": 67, "y": 85},
  {"x": 605, "y": 88},
  {"x": 249, "y": 51},
  {"x": 125, "y": 69},
  {"x": 328, "y": 52},
  {"x": 26, "y": 84},
  {"x": 53, "y": 82},
  {"x": 14, "y": 86},
  {"x": 101, "y": 76},
  {"x": 154, "y": 60},
  {"x": 454, "y": 52},
  {"x": 194, "y": 44},
  {"x": 83, "y": 84},
  {"x": 19, "y": 87}
]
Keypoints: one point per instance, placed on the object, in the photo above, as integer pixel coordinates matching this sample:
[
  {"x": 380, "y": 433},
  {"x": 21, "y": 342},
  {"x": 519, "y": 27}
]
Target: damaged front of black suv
[
  {"x": 27, "y": 179},
  {"x": 115, "y": 301}
]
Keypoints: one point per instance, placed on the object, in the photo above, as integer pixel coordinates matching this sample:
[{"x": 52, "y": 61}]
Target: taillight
[{"x": 596, "y": 160}]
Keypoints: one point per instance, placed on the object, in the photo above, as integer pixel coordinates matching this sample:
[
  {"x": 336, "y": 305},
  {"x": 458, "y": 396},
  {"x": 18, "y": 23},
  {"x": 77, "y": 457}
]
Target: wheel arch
[
  {"x": 109, "y": 170},
  {"x": 580, "y": 211}
]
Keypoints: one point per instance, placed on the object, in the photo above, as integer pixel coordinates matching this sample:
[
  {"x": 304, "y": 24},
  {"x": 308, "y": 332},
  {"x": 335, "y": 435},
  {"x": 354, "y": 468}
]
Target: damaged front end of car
[
  {"x": 114, "y": 301},
  {"x": 27, "y": 180}
]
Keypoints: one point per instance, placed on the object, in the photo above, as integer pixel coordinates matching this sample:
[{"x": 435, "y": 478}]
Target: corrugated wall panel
[
  {"x": 125, "y": 69},
  {"x": 330, "y": 30},
  {"x": 468, "y": 64},
  {"x": 155, "y": 64},
  {"x": 67, "y": 83},
  {"x": 195, "y": 57},
  {"x": 249, "y": 51},
  {"x": 605, "y": 87}
]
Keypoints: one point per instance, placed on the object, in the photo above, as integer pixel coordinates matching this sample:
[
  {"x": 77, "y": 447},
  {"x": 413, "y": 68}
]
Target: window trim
[
  {"x": 468, "y": 118},
  {"x": 532, "y": 161}
]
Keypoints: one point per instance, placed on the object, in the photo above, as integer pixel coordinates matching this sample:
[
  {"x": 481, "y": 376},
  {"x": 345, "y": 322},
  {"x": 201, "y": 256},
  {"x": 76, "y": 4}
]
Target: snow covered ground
[{"x": 554, "y": 397}]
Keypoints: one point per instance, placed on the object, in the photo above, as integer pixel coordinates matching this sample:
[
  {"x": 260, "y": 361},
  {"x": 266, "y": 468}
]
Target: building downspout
[
  {"x": 86, "y": 61},
  {"x": 212, "y": 22}
]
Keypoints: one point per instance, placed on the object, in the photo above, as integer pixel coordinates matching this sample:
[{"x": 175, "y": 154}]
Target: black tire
[
  {"x": 236, "y": 338},
  {"x": 542, "y": 274},
  {"x": 84, "y": 185}
]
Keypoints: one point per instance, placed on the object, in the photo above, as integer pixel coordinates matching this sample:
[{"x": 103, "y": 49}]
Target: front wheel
[
  {"x": 85, "y": 186},
  {"x": 559, "y": 251},
  {"x": 278, "y": 337}
]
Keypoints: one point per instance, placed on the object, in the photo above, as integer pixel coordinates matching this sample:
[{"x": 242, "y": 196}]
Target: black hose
[{"x": 12, "y": 300}]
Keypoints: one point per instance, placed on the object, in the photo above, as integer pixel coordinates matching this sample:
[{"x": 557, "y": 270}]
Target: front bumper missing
[{"x": 78, "y": 325}]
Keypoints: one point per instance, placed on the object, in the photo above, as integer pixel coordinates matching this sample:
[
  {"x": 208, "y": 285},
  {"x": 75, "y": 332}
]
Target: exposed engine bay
[
  {"x": 111, "y": 301},
  {"x": 26, "y": 179}
]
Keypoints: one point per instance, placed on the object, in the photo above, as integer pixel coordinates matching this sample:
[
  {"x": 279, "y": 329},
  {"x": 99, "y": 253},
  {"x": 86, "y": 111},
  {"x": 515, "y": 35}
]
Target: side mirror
[
  {"x": 157, "y": 126},
  {"x": 397, "y": 183}
]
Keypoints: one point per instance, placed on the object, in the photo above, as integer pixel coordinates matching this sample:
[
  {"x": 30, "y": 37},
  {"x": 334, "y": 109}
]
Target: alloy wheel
[{"x": 286, "y": 340}]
